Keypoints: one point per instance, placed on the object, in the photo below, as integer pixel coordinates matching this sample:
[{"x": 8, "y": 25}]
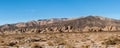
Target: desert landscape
[
  {"x": 59, "y": 23},
  {"x": 82, "y": 32}
]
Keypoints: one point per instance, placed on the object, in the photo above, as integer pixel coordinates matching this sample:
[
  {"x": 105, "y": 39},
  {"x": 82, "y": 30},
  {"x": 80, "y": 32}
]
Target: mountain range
[{"x": 54, "y": 25}]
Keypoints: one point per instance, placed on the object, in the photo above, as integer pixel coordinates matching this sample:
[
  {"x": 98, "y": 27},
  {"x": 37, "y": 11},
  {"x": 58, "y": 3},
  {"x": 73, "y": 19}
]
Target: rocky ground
[{"x": 61, "y": 40}]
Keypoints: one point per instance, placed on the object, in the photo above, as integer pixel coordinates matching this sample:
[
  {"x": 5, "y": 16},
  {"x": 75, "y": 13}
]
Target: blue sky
[{"x": 13, "y": 11}]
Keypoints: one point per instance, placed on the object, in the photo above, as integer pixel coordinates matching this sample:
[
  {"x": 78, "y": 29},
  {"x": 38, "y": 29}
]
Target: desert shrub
[
  {"x": 21, "y": 42},
  {"x": 37, "y": 46},
  {"x": 112, "y": 41},
  {"x": 68, "y": 45},
  {"x": 2, "y": 41},
  {"x": 12, "y": 44},
  {"x": 19, "y": 38},
  {"x": 87, "y": 46},
  {"x": 60, "y": 41},
  {"x": 34, "y": 40},
  {"x": 50, "y": 43}
]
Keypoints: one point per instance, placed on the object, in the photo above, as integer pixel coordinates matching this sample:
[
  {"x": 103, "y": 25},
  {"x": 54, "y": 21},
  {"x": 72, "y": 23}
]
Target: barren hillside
[{"x": 82, "y": 24}]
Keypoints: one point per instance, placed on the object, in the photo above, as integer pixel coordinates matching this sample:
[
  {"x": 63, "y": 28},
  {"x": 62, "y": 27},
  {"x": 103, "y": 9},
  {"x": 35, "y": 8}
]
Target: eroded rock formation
[{"x": 84, "y": 24}]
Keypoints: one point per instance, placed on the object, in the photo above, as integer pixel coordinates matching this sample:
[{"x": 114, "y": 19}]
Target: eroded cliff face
[{"x": 83, "y": 24}]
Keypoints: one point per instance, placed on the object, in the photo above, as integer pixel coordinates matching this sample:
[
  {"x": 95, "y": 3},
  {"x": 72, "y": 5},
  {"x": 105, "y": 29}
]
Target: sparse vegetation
[
  {"x": 69, "y": 41},
  {"x": 112, "y": 41}
]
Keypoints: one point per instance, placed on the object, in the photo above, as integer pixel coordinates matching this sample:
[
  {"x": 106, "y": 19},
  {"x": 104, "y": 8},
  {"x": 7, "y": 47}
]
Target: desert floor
[{"x": 61, "y": 40}]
